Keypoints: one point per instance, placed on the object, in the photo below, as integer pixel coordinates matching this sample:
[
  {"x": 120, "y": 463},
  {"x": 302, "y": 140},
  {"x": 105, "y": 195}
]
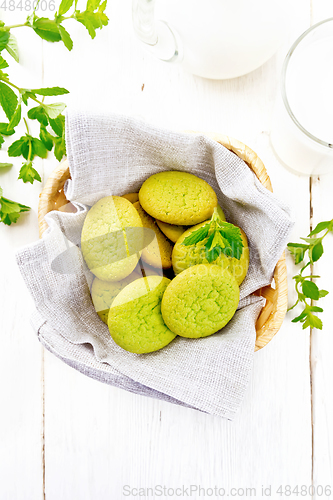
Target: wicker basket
[{"x": 271, "y": 317}]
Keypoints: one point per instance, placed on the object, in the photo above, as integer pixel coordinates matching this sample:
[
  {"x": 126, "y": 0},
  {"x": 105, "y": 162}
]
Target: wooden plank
[
  {"x": 321, "y": 341},
  {"x": 322, "y": 344},
  {"x": 21, "y": 417},
  {"x": 98, "y": 438}
]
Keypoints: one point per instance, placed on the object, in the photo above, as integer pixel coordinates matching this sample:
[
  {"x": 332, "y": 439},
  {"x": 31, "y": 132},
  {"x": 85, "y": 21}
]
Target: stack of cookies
[{"x": 155, "y": 278}]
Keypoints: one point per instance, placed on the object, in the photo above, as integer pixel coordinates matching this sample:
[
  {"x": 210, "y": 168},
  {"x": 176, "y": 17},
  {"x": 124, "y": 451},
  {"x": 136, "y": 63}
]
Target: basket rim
[{"x": 273, "y": 312}]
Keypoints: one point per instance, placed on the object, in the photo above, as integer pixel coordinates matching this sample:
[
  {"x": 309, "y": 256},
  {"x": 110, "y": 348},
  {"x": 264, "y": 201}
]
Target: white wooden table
[{"x": 65, "y": 436}]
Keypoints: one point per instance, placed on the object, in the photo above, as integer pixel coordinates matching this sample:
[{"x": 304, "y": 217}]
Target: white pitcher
[{"x": 215, "y": 39}]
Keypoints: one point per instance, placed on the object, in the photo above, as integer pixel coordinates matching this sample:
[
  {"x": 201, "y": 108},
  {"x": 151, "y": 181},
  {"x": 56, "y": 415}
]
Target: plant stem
[
  {"x": 12, "y": 84},
  {"x": 36, "y": 6},
  {"x": 26, "y": 125},
  {"x": 7, "y": 28},
  {"x": 30, "y": 143}
]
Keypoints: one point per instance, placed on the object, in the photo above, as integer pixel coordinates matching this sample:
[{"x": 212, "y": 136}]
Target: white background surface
[{"x": 65, "y": 436}]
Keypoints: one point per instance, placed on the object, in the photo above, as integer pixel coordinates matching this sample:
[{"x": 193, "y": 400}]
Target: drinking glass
[{"x": 302, "y": 127}]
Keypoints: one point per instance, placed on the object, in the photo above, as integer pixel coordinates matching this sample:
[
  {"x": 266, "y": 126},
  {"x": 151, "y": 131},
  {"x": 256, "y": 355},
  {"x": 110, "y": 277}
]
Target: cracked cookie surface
[
  {"x": 177, "y": 198},
  {"x": 200, "y": 301}
]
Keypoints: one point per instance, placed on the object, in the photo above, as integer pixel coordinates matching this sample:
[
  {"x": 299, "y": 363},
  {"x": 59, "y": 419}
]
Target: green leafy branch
[
  {"x": 306, "y": 289},
  {"x": 52, "y": 30},
  {"x": 48, "y": 115},
  {"x": 10, "y": 210},
  {"x": 219, "y": 237}
]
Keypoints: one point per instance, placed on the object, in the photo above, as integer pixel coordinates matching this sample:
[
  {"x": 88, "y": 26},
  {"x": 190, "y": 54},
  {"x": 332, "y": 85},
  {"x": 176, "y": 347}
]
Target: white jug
[{"x": 215, "y": 39}]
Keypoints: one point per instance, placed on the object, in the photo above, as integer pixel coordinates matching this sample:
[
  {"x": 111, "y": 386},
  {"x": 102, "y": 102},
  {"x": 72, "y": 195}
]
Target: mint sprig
[
  {"x": 20, "y": 103},
  {"x": 307, "y": 291},
  {"x": 220, "y": 236},
  {"x": 10, "y": 210}
]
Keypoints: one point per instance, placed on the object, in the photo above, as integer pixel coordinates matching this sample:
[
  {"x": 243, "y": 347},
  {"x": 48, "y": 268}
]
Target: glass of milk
[
  {"x": 214, "y": 39},
  {"x": 302, "y": 127}
]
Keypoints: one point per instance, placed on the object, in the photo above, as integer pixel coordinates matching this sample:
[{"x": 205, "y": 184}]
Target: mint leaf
[
  {"x": 64, "y": 7},
  {"x": 4, "y": 37},
  {"x": 15, "y": 149},
  {"x": 315, "y": 309},
  {"x": 84, "y": 19},
  {"x": 102, "y": 7},
  {"x": 28, "y": 173},
  {"x": 314, "y": 322},
  {"x": 54, "y": 110},
  {"x": 92, "y": 21},
  {"x": 59, "y": 148},
  {"x": 65, "y": 37},
  {"x": 323, "y": 293},
  {"x": 38, "y": 148},
  {"x": 316, "y": 252},
  {"x": 92, "y": 5},
  {"x": 46, "y": 29},
  {"x": 196, "y": 236},
  {"x": 5, "y": 165},
  {"x": 2, "y": 140},
  {"x": 46, "y": 138},
  {"x": 306, "y": 323},
  {"x": 4, "y": 129},
  {"x": 233, "y": 240},
  {"x": 26, "y": 146},
  {"x": 213, "y": 254},
  {"x": 310, "y": 290},
  {"x": 58, "y": 125},
  {"x": 225, "y": 237},
  {"x": 38, "y": 113},
  {"x": 312, "y": 241},
  {"x": 298, "y": 250},
  {"x": 322, "y": 226},
  {"x": 10, "y": 210},
  {"x": 3, "y": 63},
  {"x": 300, "y": 317},
  {"x": 16, "y": 118},
  {"x": 12, "y": 48},
  {"x": 8, "y": 100},
  {"x": 50, "y": 91},
  {"x": 208, "y": 244}
]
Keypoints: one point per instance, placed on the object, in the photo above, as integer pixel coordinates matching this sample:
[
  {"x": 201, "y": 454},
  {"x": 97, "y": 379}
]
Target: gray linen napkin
[{"x": 113, "y": 155}]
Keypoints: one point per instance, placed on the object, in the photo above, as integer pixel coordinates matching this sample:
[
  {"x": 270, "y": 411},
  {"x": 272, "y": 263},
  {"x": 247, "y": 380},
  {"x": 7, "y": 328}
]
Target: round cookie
[
  {"x": 200, "y": 301},
  {"x": 111, "y": 238},
  {"x": 177, "y": 198},
  {"x": 103, "y": 293},
  {"x": 135, "y": 320},
  {"x": 159, "y": 251},
  {"x": 132, "y": 197},
  {"x": 184, "y": 257},
  {"x": 171, "y": 231}
]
